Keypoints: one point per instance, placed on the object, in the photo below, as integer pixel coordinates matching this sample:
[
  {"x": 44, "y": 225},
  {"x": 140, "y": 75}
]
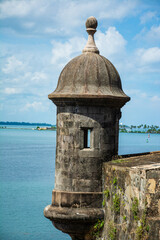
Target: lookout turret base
[{"x": 74, "y": 221}]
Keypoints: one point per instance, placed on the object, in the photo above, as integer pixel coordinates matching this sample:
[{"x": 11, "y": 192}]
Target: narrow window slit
[{"x": 87, "y": 138}]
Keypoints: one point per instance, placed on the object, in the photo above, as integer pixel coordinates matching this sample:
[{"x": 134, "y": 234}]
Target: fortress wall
[{"x": 131, "y": 198}]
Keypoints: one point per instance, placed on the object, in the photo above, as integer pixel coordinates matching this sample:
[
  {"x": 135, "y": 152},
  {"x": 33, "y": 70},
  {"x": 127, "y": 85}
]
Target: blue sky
[{"x": 39, "y": 37}]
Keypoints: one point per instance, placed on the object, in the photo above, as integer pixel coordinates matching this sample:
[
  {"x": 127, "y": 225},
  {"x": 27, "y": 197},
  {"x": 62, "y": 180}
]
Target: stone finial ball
[{"x": 91, "y": 23}]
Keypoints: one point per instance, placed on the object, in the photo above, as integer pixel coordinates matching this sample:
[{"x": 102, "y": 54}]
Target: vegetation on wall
[
  {"x": 134, "y": 208},
  {"x": 96, "y": 230},
  {"x": 111, "y": 231},
  {"x": 115, "y": 200}
]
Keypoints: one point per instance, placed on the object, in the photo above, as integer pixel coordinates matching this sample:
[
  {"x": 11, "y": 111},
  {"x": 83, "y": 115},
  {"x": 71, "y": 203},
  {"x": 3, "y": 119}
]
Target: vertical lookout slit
[{"x": 87, "y": 137}]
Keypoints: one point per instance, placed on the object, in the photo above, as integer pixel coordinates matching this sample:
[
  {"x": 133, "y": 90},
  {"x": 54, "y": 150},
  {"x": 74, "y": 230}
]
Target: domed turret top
[{"x": 90, "y": 77}]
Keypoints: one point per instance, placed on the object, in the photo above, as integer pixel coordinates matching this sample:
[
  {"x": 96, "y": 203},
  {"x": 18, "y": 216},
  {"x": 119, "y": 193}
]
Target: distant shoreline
[
  {"x": 46, "y": 126},
  {"x": 18, "y": 128},
  {"x": 54, "y": 129},
  {"x": 25, "y": 123},
  {"x": 36, "y": 126},
  {"x": 142, "y": 128}
]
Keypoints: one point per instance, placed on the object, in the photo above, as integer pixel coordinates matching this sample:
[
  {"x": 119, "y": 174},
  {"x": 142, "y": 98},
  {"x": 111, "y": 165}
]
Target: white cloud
[
  {"x": 15, "y": 8},
  {"x": 61, "y": 17},
  {"x": 155, "y": 99},
  {"x": 10, "y": 91},
  {"x": 63, "y": 52},
  {"x": 51, "y": 30},
  {"x": 155, "y": 103},
  {"x": 142, "y": 60},
  {"x": 157, "y": 82},
  {"x": 136, "y": 93},
  {"x": 79, "y": 11},
  {"x": 153, "y": 34},
  {"x": 37, "y": 106},
  {"x": 150, "y": 36},
  {"x": 117, "y": 9},
  {"x": 28, "y": 24},
  {"x": 148, "y": 56},
  {"x": 111, "y": 42},
  {"x": 38, "y": 77},
  {"x": 22, "y": 8},
  {"x": 147, "y": 17},
  {"x": 113, "y": 10},
  {"x": 12, "y": 65}
]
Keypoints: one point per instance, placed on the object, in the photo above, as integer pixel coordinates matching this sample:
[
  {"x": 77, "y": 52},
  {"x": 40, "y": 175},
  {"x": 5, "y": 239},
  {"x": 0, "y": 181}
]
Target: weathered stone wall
[
  {"x": 132, "y": 198},
  {"x": 79, "y": 169}
]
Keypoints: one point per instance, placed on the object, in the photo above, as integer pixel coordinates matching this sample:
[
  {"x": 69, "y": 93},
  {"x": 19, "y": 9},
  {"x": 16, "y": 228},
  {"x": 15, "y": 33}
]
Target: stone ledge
[
  {"x": 132, "y": 160},
  {"x": 73, "y": 214},
  {"x": 76, "y": 199}
]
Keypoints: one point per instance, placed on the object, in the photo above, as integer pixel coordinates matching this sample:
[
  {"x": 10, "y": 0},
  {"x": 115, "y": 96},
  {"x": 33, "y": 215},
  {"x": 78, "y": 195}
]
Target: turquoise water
[
  {"x": 27, "y": 179},
  {"x": 138, "y": 143}
]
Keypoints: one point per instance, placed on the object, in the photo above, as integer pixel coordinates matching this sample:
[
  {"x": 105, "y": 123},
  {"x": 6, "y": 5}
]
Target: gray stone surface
[{"x": 79, "y": 169}]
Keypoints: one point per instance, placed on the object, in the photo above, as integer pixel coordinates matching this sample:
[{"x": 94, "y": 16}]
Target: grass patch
[
  {"x": 116, "y": 203},
  {"x": 97, "y": 228},
  {"x": 111, "y": 231},
  {"x": 143, "y": 229},
  {"x": 134, "y": 208},
  {"x": 107, "y": 193}
]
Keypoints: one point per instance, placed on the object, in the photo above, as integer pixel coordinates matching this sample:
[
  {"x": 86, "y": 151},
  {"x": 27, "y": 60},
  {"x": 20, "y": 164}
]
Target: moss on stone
[
  {"x": 116, "y": 203},
  {"x": 115, "y": 181},
  {"x": 104, "y": 202},
  {"x": 142, "y": 229},
  {"x": 124, "y": 218},
  {"x": 111, "y": 231},
  {"x": 106, "y": 196},
  {"x": 107, "y": 193},
  {"x": 118, "y": 160},
  {"x": 97, "y": 229},
  {"x": 134, "y": 208}
]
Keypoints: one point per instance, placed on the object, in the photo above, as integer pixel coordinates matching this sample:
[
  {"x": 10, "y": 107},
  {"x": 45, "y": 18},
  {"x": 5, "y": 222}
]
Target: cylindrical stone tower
[{"x": 88, "y": 97}]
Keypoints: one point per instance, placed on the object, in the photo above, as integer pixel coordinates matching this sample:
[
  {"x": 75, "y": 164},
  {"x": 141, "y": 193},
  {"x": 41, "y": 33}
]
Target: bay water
[{"x": 27, "y": 169}]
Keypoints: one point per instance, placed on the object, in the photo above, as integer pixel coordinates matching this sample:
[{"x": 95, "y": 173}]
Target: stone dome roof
[{"x": 90, "y": 76}]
